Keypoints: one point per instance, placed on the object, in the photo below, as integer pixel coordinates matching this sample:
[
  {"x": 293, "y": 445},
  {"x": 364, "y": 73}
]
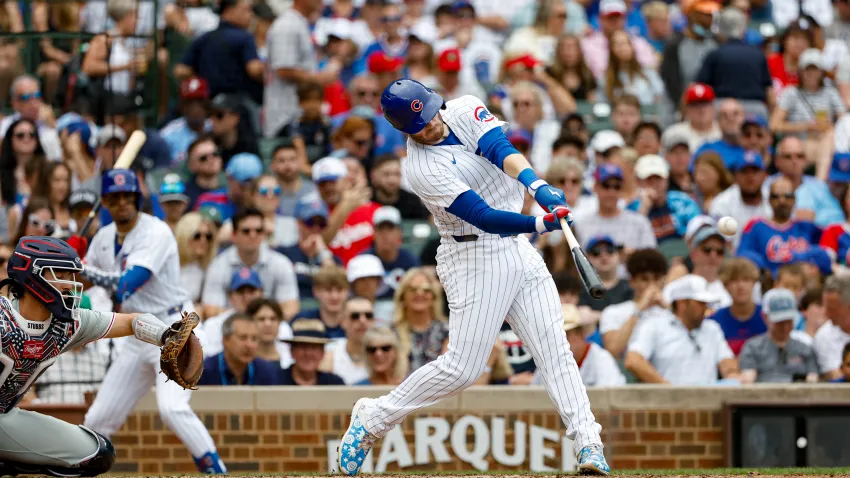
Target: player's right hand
[
  {"x": 551, "y": 222},
  {"x": 80, "y": 244}
]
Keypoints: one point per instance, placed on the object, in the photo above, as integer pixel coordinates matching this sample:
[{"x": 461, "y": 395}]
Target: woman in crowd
[
  {"x": 381, "y": 349},
  {"x": 541, "y": 38},
  {"x": 420, "y": 62},
  {"x": 522, "y": 67},
  {"x": 570, "y": 69},
  {"x": 37, "y": 219},
  {"x": 527, "y": 105},
  {"x": 783, "y": 64},
  {"x": 625, "y": 75},
  {"x": 56, "y": 54},
  {"x": 357, "y": 136},
  {"x": 197, "y": 246},
  {"x": 268, "y": 316},
  {"x": 710, "y": 177},
  {"x": 419, "y": 321},
  {"x": 810, "y": 110},
  {"x": 55, "y": 184},
  {"x": 22, "y": 162}
]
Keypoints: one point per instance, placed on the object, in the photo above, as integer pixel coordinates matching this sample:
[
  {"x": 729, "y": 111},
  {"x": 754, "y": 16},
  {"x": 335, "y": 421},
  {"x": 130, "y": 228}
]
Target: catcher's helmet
[
  {"x": 409, "y": 105},
  {"x": 32, "y": 269},
  {"x": 121, "y": 181}
]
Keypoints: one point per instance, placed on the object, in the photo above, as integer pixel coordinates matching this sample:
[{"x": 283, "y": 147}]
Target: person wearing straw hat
[
  {"x": 307, "y": 344},
  {"x": 596, "y": 365}
]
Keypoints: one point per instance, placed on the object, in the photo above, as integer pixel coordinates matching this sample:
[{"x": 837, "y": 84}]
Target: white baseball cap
[
  {"x": 811, "y": 57},
  {"x": 612, "y": 7},
  {"x": 329, "y": 169},
  {"x": 697, "y": 223},
  {"x": 689, "y": 287},
  {"x": 650, "y": 165},
  {"x": 362, "y": 266},
  {"x": 779, "y": 305},
  {"x": 606, "y": 139},
  {"x": 386, "y": 214}
]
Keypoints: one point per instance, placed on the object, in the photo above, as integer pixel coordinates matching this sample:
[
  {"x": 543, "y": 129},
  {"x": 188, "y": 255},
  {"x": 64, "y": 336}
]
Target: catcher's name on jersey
[
  {"x": 28, "y": 348},
  {"x": 438, "y": 174},
  {"x": 151, "y": 245}
]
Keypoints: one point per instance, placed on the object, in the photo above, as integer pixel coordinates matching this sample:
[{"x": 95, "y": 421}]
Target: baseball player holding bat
[
  {"x": 135, "y": 257},
  {"x": 41, "y": 319},
  {"x": 472, "y": 180}
]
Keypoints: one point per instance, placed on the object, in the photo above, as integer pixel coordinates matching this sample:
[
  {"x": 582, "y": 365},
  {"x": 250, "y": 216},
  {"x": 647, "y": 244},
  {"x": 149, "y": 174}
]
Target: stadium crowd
[{"x": 303, "y": 249}]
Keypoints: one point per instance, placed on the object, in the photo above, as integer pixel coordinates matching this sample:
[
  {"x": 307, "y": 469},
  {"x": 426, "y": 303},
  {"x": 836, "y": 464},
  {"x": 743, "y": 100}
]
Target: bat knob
[{"x": 597, "y": 292}]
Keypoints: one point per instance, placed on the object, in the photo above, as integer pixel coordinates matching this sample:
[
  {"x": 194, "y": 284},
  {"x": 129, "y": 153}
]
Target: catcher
[{"x": 41, "y": 319}]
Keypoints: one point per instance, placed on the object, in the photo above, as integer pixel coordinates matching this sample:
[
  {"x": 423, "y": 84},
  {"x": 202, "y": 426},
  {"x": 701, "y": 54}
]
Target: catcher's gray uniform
[{"x": 26, "y": 349}]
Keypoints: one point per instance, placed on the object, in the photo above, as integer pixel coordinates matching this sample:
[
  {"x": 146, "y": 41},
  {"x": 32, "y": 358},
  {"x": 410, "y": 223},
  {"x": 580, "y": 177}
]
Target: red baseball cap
[
  {"x": 699, "y": 93},
  {"x": 449, "y": 60},
  {"x": 380, "y": 62},
  {"x": 194, "y": 88}
]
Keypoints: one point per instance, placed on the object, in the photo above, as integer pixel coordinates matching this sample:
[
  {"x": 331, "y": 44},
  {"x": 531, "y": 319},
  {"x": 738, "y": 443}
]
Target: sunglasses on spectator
[
  {"x": 523, "y": 104},
  {"x": 424, "y": 289},
  {"x": 204, "y": 157},
  {"x": 248, "y": 230},
  {"x": 383, "y": 348},
  {"x": 267, "y": 191},
  {"x": 25, "y": 135},
  {"x": 359, "y": 315},
  {"x": 320, "y": 223},
  {"x": 391, "y": 19},
  {"x": 29, "y": 96},
  {"x": 597, "y": 251},
  {"x": 573, "y": 181},
  {"x": 794, "y": 155},
  {"x": 365, "y": 93},
  {"x": 788, "y": 196},
  {"x": 616, "y": 186},
  {"x": 198, "y": 236},
  {"x": 719, "y": 251},
  {"x": 36, "y": 222}
]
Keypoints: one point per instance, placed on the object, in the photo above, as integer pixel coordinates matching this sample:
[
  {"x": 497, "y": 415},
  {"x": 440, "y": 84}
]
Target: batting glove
[
  {"x": 551, "y": 222},
  {"x": 549, "y": 197},
  {"x": 79, "y": 244}
]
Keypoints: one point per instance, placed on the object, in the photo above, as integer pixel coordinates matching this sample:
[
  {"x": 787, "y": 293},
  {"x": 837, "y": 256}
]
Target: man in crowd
[
  {"x": 686, "y": 349},
  {"x": 346, "y": 356},
  {"x": 604, "y": 256},
  {"x": 294, "y": 187},
  {"x": 172, "y": 198},
  {"x": 677, "y": 153},
  {"x": 706, "y": 252},
  {"x": 238, "y": 364},
  {"x": 204, "y": 164},
  {"x": 183, "y": 131},
  {"x": 833, "y": 336},
  {"x": 388, "y": 248},
  {"x": 28, "y": 104},
  {"x": 308, "y": 341},
  {"x": 231, "y": 127},
  {"x": 310, "y": 254},
  {"x": 743, "y": 318},
  {"x": 245, "y": 285},
  {"x": 365, "y": 90},
  {"x": 365, "y": 274},
  {"x": 386, "y": 182},
  {"x": 242, "y": 170},
  {"x": 330, "y": 289},
  {"x": 744, "y": 200},
  {"x": 669, "y": 212},
  {"x": 730, "y": 119},
  {"x": 699, "y": 125}
]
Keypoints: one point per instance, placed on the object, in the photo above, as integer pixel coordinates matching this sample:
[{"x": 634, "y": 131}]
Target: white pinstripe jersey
[{"x": 439, "y": 174}]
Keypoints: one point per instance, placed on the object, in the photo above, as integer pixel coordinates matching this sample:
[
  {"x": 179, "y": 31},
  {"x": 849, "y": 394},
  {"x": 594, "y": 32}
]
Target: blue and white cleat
[
  {"x": 355, "y": 443},
  {"x": 591, "y": 461}
]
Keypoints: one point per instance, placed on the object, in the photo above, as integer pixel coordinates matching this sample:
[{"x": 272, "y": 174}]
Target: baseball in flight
[{"x": 727, "y": 226}]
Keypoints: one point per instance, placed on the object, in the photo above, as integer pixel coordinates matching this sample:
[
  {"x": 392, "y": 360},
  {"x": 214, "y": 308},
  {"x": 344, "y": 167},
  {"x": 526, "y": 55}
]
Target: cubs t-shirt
[{"x": 738, "y": 331}]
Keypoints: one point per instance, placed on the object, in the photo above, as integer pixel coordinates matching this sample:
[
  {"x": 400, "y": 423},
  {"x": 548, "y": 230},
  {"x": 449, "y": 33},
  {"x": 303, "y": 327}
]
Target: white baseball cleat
[{"x": 355, "y": 443}]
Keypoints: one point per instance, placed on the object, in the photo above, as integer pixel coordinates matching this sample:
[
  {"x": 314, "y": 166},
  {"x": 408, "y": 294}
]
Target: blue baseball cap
[
  {"x": 86, "y": 137},
  {"x": 462, "y": 4},
  {"x": 840, "y": 170},
  {"x": 779, "y": 305},
  {"x": 750, "y": 159},
  {"x": 244, "y": 167},
  {"x": 306, "y": 210},
  {"x": 817, "y": 256},
  {"x": 245, "y": 277},
  {"x": 172, "y": 189},
  {"x": 601, "y": 239},
  {"x": 520, "y": 136},
  {"x": 756, "y": 120},
  {"x": 606, "y": 172}
]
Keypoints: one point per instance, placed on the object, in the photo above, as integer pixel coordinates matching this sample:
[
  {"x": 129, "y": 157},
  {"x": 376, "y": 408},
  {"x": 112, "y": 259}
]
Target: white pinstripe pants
[{"x": 485, "y": 282}]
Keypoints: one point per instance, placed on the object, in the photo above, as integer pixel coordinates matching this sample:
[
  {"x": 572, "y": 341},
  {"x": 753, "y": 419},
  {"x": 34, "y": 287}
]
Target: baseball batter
[
  {"x": 136, "y": 258},
  {"x": 464, "y": 169},
  {"x": 39, "y": 320}
]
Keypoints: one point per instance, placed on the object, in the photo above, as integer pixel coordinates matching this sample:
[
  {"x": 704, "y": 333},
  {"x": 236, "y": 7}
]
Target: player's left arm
[{"x": 123, "y": 285}]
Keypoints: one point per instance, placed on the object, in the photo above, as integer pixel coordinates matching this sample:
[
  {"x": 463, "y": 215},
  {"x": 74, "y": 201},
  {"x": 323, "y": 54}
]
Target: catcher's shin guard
[{"x": 95, "y": 465}]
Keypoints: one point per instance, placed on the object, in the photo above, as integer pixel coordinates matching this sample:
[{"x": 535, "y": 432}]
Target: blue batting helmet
[
  {"x": 33, "y": 266},
  {"x": 409, "y": 105},
  {"x": 121, "y": 181}
]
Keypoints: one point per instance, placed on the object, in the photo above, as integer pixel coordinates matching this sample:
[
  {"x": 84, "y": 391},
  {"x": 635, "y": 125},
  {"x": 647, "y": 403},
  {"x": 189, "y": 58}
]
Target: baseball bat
[
  {"x": 124, "y": 161},
  {"x": 588, "y": 274}
]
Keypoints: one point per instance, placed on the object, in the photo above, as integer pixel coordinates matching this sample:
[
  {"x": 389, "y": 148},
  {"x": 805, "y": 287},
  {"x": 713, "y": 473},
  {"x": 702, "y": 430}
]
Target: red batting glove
[
  {"x": 80, "y": 244},
  {"x": 558, "y": 213}
]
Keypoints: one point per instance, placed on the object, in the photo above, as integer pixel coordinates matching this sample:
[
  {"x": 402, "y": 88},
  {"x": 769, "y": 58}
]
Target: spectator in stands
[
  {"x": 27, "y": 102},
  {"x": 549, "y": 23},
  {"x": 699, "y": 125},
  {"x": 80, "y": 204},
  {"x": 756, "y": 136},
  {"x": 124, "y": 112},
  {"x": 308, "y": 341},
  {"x": 238, "y": 363},
  {"x": 386, "y": 183},
  {"x": 570, "y": 69},
  {"x": 111, "y": 56},
  {"x": 604, "y": 256},
  {"x": 356, "y": 135},
  {"x": 775, "y": 356},
  {"x": 647, "y": 138},
  {"x": 330, "y": 288},
  {"x": 813, "y": 201},
  {"x": 36, "y": 220},
  {"x": 659, "y": 29},
  {"x": 418, "y": 320},
  {"x": 744, "y": 200},
  {"x": 706, "y": 252},
  {"x": 833, "y": 336},
  {"x": 250, "y": 250},
  {"x": 742, "y": 319},
  {"x": 814, "y": 316},
  {"x": 241, "y": 174},
  {"x": 19, "y": 147},
  {"x": 783, "y": 65},
  {"x": 365, "y": 274},
  {"x": 730, "y": 120},
  {"x": 845, "y": 366},
  {"x": 294, "y": 187},
  {"x": 365, "y": 90},
  {"x": 172, "y": 199},
  {"x": 677, "y": 153},
  {"x": 625, "y": 75},
  {"x": 646, "y": 268},
  {"x": 245, "y": 286},
  {"x": 183, "y": 131},
  {"x": 527, "y": 109},
  {"x": 346, "y": 356},
  {"x": 597, "y": 366},
  {"x": 625, "y": 116},
  {"x": 204, "y": 165},
  {"x": 710, "y": 178},
  {"x": 271, "y": 329},
  {"x": 612, "y": 18},
  {"x": 310, "y": 131},
  {"x": 383, "y": 364},
  {"x": 451, "y": 84},
  {"x": 396, "y": 260},
  {"x": 669, "y": 212},
  {"x": 310, "y": 253},
  {"x": 197, "y": 246},
  {"x": 686, "y": 349},
  {"x": 230, "y": 127},
  {"x": 626, "y": 228},
  {"x": 566, "y": 173},
  {"x": 265, "y": 196},
  {"x": 227, "y": 56}
]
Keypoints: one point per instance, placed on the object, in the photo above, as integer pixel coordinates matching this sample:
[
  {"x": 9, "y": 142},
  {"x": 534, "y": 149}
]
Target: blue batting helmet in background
[
  {"x": 121, "y": 181},
  {"x": 33, "y": 266},
  {"x": 409, "y": 105}
]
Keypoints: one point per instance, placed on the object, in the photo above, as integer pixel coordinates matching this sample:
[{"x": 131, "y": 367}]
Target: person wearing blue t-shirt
[
  {"x": 742, "y": 319},
  {"x": 310, "y": 253},
  {"x": 387, "y": 247},
  {"x": 238, "y": 364}
]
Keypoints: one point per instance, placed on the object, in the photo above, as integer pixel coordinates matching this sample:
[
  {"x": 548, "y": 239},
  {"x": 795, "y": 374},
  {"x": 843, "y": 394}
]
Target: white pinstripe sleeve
[
  {"x": 474, "y": 120},
  {"x": 432, "y": 179}
]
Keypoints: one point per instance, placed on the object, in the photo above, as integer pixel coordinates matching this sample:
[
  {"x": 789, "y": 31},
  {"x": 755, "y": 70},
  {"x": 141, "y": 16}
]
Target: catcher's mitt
[{"x": 182, "y": 359}]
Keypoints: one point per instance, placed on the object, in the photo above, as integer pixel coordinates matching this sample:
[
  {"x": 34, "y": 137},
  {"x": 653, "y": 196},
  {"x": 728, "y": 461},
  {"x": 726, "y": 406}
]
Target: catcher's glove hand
[{"x": 182, "y": 359}]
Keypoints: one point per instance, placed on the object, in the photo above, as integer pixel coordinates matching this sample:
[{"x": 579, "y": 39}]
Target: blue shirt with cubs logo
[
  {"x": 777, "y": 243},
  {"x": 737, "y": 331}
]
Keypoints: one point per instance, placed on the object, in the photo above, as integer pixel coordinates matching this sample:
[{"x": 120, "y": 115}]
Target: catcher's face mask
[{"x": 64, "y": 282}]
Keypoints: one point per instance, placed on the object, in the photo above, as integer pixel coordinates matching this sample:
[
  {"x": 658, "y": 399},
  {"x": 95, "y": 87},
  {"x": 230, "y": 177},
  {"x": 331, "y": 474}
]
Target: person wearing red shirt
[{"x": 783, "y": 65}]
